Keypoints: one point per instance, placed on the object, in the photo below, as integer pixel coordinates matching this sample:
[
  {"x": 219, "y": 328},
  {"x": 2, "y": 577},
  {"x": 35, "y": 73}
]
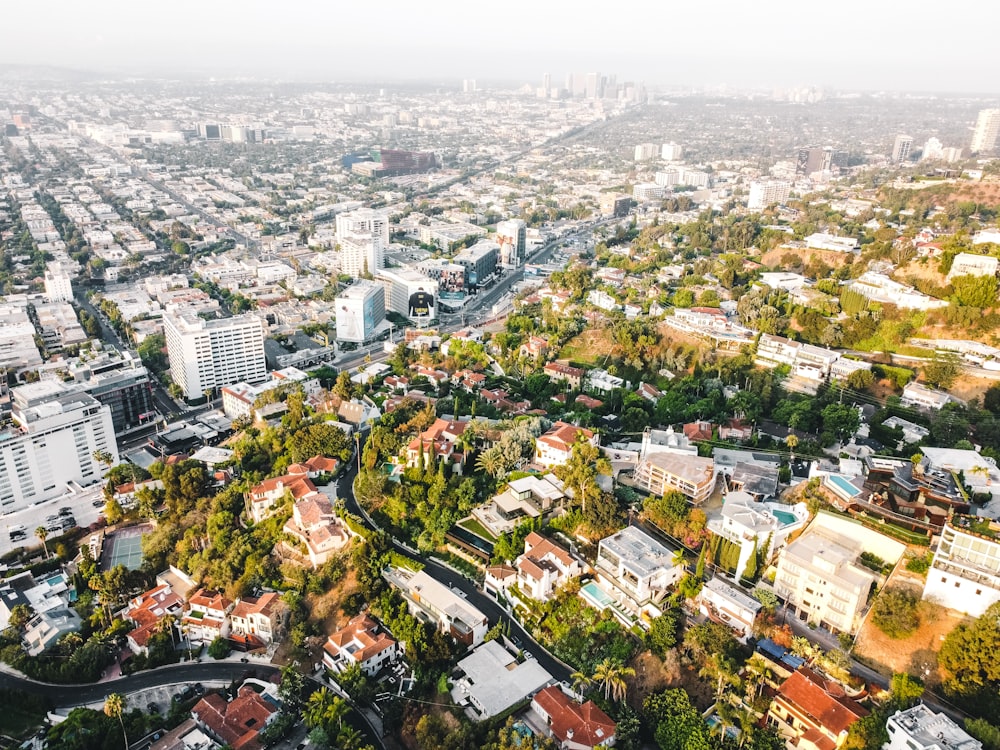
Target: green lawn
[{"x": 472, "y": 525}]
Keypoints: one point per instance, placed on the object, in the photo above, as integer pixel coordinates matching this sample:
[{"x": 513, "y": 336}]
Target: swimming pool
[
  {"x": 596, "y": 595},
  {"x": 841, "y": 484},
  {"x": 786, "y": 518}
]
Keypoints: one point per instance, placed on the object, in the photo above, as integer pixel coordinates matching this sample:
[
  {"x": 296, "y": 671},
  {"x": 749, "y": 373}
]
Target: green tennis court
[{"x": 124, "y": 548}]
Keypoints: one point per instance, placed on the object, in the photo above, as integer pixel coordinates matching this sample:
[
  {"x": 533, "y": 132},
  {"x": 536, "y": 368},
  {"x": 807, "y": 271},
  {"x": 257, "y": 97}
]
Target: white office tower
[
  {"x": 58, "y": 285},
  {"x": 671, "y": 152},
  {"x": 363, "y": 236},
  {"x": 764, "y": 193},
  {"x": 212, "y": 354},
  {"x": 984, "y": 135},
  {"x": 50, "y": 444},
  {"x": 359, "y": 310},
  {"x": 901, "y": 148},
  {"x": 512, "y": 237}
]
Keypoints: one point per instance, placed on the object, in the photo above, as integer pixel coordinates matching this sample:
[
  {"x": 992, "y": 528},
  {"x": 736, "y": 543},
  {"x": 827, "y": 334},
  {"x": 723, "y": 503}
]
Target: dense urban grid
[{"x": 575, "y": 415}]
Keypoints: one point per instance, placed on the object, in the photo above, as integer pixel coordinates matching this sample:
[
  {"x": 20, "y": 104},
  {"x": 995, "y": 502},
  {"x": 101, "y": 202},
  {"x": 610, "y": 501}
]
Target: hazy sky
[{"x": 870, "y": 44}]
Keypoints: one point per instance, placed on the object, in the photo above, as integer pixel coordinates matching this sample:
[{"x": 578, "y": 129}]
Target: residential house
[
  {"x": 757, "y": 528},
  {"x": 637, "y": 570},
  {"x": 440, "y": 441},
  {"x": 666, "y": 441},
  {"x": 603, "y": 381},
  {"x": 51, "y": 614},
  {"x": 237, "y": 723},
  {"x": 206, "y": 616},
  {"x": 536, "y": 347},
  {"x": 965, "y": 573},
  {"x": 820, "y": 579},
  {"x": 256, "y": 621},
  {"x": 263, "y": 498},
  {"x": 437, "y": 604},
  {"x": 573, "y": 725},
  {"x": 912, "y": 433},
  {"x": 147, "y": 612},
  {"x": 588, "y": 402},
  {"x": 363, "y": 643},
  {"x": 919, "y": 395},
  {"x": 493, "y": 680},
  {"x": 722, "y": 602},
  {"x": 660, "y": 473},
  {"x": 318, "y": 528},
  {"x": 544, "y": 567},
  {"x": 757, "y": 479},
  {"x": 314, "y": 467},
  {"x": 928, "y": 492},
  {"x": 699, "y": 430},
  {"x": 555, "y": 447},
  {"x": 571, "y": 376},
  {"x": 735, "y": 429},
  {"x": 649, "y": 392},
  {"x": 528, "y": 497},
  {"x": 920, "y": 728},
  {"x": 812, "y": 712}
]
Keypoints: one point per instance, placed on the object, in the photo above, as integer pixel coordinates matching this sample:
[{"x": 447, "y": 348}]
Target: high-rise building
[
  {"x": 58, "y": 285},
  {"x": 813, "y": 159},
  {"x": 359, "y": 310},
  {"x": 480, "y": 261},
  {"x": 209, "y": 354},
  {"x": 512, "y": 238},
  {"x": 363, "y": 236},
  {"x": 52, "y": 442},
  {"x": 764, "y": 193},
  {"x": 984, "y": 135},
  {"x": 592, "y": 87},
  {"x": 468, "y": 85},
  {"x": 901, "y": 148},
  {"x": 932, "y": 150},
  {"x": 409, "y": 293},
  {"x": 671, "y": 152},
  {"x": 646, "y": 151}
]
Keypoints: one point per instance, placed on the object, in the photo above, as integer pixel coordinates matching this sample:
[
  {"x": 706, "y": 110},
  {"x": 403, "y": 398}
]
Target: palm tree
[
  {"x": 580, "y": 682},
  {"x": 612, "y": 676},
  {"x": 114, "y": 706},
  {"x": 42, "y": 533},
  {"x": 792, "y": 442},
  {"x": 722, "y": 670},
  {"x": 324, "y": 709},
  {"x": 349, "y": 738},
  {"x": 491, "y": 462}
]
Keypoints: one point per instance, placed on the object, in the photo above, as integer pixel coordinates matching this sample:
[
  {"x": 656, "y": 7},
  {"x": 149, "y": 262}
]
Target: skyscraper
[
  {"x": 207, "y": 354},
  {"x": 363, "y": 236},
  {"x": 984, "y": 136},
  {"x": 901, "y": 148},
  {"x": 512, "y": 237}
]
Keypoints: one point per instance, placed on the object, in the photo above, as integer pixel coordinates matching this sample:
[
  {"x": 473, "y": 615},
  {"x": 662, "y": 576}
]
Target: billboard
[{"x": 421, "y": 305}]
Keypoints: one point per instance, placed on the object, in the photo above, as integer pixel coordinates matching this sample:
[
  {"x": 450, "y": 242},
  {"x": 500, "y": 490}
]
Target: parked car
[{"x": 65, "y": 511}]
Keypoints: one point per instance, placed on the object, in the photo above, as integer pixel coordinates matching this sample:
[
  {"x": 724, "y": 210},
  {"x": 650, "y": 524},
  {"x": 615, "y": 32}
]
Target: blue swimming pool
[
  {"x": 786, "y": 518},
  {"x": 596, "y": 595},
  {"x": 843, "y": 485}
]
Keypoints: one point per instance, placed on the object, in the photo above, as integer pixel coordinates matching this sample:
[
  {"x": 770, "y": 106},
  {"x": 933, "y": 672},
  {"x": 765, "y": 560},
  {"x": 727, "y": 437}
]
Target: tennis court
[{"x": 124, "y": 548}]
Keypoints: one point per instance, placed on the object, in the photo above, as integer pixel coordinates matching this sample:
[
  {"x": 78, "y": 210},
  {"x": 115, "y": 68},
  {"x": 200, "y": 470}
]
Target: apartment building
[
  {"x": 965, "y": 573},
  {"x": 753, "y": 525},
  {"x": 51, "y": 443},
  {"x": 209, "y": 354},
  {"x": 820, "y": 579},
  {"x": 722, "y": 602},
  {"x": 691, "y": 475}
]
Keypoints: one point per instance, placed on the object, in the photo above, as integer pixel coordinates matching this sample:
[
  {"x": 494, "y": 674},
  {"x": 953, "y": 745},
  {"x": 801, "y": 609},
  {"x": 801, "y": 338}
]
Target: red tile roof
[
  {"x": 586, "y": 724},
  {"x": 235, "y": 723},
  {"x": 363, "y": 630},
  {"x": 822, "y": 700}
]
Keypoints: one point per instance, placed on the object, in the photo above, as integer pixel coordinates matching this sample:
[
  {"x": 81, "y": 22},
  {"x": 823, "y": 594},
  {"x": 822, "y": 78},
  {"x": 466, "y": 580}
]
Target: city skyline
[{"x": 742, "y": 47}]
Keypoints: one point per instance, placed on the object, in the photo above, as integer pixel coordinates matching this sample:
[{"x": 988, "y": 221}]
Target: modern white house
[
  {"x": 723, "y": 602},
  {"x": 919, "y": 728},
  {"x": 637, "y": 570},
  {"x": 494, "y": 680},
  {"x": 758, "y": 528},
  {"x": 435, "y": 603}
]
